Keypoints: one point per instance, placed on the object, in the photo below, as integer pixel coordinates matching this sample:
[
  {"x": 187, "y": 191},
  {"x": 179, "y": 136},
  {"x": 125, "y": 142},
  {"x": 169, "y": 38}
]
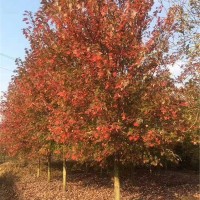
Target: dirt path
[{"x": 18, "y": 183}]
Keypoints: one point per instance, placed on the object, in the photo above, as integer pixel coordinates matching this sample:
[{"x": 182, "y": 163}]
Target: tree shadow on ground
[
  {"x": 162, "y": 185},
  {"x": 7, "y": 186},
  {"x": 79, "y": 174}
]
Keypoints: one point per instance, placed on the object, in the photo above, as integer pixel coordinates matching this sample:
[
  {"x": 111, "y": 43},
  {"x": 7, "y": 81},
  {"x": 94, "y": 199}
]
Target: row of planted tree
[{"x": 96, "y": 84}]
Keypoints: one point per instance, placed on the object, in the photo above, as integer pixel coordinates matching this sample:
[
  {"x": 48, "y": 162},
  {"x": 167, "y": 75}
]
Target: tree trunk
[
  {"x": 86, "y": 168},
  {"x": 49, "y": 169},
  {"x": 150, "y": 169},
  {"x": 64, "y": 171},
  {"x": 38, "y": 168},
  {"x": 133, "y": 172},
  {"x": 101, "y": 171},
  {"x": 116, "y": 180}
]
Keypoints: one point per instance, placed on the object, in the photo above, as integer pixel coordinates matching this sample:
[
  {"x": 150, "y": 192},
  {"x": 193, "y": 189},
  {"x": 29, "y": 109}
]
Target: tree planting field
[
  {"x": 18, "y": 182},
  {"x": 107, "y": 84}
]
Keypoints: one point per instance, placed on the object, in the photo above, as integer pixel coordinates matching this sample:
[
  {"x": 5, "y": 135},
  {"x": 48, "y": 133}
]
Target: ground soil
[{"x": 19, "y": 182}]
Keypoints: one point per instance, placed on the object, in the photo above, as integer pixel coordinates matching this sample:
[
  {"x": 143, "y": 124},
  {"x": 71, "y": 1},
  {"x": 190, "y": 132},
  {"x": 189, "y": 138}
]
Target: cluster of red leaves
[{"x": 89, "y": 78}]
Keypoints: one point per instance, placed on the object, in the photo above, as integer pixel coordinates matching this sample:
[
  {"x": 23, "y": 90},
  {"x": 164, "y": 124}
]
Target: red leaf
[
  {"x": 136, "y": 124},
  {"x": 114, "y": 74}
]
